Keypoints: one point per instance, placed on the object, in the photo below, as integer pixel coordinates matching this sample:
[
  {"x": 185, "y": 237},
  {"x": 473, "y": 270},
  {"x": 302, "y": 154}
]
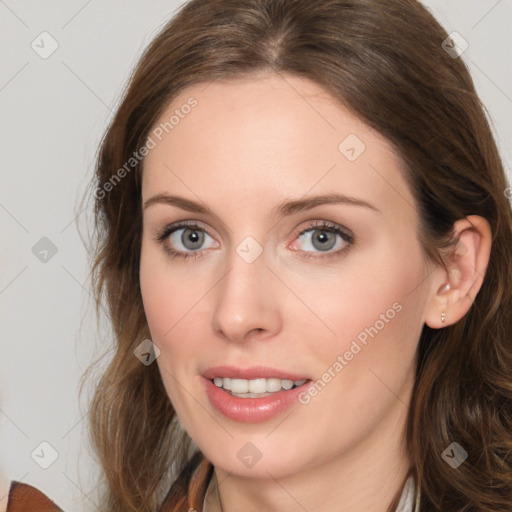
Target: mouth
[
  {"x": 256, "y": 388},
  {"x": 246, "y": 401},
  {"x": 253, "y": 394}
]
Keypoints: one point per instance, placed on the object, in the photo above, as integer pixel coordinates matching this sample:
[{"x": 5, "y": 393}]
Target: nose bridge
[{"x": 246, "y": 300}]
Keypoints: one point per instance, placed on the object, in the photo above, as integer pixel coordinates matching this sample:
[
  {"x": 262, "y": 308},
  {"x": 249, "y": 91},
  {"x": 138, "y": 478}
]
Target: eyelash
[{"x": 317, "y": 225}]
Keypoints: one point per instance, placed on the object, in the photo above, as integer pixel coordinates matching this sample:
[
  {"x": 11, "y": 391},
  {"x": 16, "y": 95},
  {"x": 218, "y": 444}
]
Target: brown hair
[{"x": 383, "y": 60}]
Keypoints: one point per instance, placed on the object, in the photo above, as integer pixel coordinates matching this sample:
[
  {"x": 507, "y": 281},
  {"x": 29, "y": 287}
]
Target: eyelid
[
  {"x": 168, "y": 229},
  {"x": 326, "y": 226}
]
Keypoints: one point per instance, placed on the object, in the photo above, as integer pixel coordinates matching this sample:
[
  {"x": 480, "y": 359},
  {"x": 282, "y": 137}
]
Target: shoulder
[{"x": 26, "y": 498}]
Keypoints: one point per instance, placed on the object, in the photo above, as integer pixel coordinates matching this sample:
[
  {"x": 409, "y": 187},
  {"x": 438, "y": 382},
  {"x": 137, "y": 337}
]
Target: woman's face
[{"x": 302, "y": 262}]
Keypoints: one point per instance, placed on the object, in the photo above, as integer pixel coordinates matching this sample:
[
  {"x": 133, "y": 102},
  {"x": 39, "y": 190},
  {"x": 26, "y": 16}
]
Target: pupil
[
  {"x": 322, "y": 237},
  {"x": 192, "y": 239}
]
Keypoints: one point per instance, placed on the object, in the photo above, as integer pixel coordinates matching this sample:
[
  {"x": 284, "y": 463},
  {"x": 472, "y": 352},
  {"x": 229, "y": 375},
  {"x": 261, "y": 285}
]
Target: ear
[{"x": 454, "y": 289}]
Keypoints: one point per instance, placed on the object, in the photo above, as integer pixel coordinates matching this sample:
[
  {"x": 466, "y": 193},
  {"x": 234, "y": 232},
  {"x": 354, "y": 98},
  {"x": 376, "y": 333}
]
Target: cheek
[
  {"x": 375, "y": 298},
  {"x": 155, "y": 289},
  {"x": 166, "y": 303},
  {"x": 165, "y": 297},
  {"x": 352, "y": 295},
  {"x": 376, "y": 314}
]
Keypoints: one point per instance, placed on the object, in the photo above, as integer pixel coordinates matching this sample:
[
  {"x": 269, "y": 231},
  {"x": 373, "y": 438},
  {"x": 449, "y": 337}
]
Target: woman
[{"x": 303, "y": 242}]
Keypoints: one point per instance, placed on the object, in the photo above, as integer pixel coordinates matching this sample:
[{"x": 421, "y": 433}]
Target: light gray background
[{"x": 53, "y": 113}]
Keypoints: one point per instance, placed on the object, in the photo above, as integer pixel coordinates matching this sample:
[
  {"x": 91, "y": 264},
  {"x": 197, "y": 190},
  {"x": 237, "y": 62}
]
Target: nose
[{"x": 247, "y": 303}]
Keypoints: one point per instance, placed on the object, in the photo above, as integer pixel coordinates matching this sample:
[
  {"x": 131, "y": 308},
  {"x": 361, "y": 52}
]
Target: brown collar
[
  {"x": 188, "y": 492},
  {"x": 26, "y": 498}
]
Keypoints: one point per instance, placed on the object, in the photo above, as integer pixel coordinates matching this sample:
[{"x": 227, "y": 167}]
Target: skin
[{"x": 246, "y": 147}]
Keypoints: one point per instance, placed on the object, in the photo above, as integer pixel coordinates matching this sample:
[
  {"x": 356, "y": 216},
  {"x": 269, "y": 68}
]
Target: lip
[
  {"x": 251, "y": 410},
  {"x": 253, "y": 372}
]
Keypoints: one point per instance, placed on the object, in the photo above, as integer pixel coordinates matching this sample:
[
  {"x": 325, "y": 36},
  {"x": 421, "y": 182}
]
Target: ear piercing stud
[{"x": 443, "y": 317}]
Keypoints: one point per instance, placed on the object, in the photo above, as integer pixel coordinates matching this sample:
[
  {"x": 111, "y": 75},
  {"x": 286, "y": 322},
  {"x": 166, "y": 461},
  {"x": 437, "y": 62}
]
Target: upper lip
[{"x": 253, "y": 372}]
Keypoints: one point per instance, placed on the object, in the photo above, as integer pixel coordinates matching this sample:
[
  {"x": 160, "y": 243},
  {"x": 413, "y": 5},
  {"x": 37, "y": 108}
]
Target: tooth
[
  {"x": 287, "y": 384},
  {"x": 257, "y": 386},
  {"x": 239, "y": 385},
  {"x": 273, "y": 385},
  {"x": 250, "y": 395},
  {"x": 241, "y": 395}
]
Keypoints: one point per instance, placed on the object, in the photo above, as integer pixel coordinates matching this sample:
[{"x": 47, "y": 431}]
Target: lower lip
[{"x": 252, "y": 410}]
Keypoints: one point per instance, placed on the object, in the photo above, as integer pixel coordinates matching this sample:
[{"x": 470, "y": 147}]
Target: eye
[
  {"x": 185, "y": 240},
  {"x": 323, "y": 237},
  {"x": 189, "y": 240}
]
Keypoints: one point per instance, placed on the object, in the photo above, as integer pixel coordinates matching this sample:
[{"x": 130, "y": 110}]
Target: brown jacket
[{"x": 186, "y": 493}]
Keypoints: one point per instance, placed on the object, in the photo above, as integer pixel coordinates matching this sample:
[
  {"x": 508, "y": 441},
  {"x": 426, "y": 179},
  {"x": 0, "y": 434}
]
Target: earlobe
[{"x": 466, "y": 264}]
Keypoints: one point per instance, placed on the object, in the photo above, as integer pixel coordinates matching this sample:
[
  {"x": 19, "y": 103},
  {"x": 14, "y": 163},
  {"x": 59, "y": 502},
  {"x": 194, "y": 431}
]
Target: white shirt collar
[{"x": 407, "y": 501}]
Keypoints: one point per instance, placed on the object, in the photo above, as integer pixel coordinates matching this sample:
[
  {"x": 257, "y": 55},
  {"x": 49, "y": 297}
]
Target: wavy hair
[{"x": 384, "y": 61}]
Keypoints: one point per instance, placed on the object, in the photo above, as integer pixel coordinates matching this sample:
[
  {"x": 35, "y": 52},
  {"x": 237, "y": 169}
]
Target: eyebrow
[{"x": 281, "y": 210}]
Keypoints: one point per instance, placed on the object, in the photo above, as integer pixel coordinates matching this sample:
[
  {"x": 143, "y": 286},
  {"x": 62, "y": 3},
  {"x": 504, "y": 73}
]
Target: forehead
[{"x": 264, "y": 137}]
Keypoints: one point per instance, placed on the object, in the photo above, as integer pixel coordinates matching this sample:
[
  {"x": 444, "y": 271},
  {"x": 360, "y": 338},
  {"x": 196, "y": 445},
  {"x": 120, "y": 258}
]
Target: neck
[{"x": 367, "y": 477}]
